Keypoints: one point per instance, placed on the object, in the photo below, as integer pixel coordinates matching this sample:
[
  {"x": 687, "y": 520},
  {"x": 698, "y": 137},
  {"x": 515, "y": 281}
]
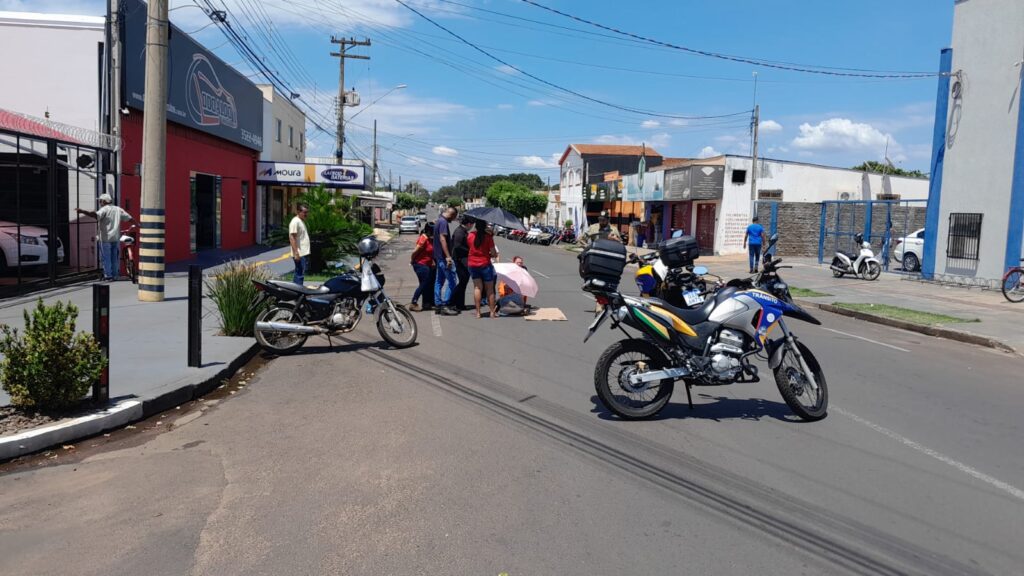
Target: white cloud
[
  {"x": 708, "y": 152},
  {"x": 444, "y": 151},
  {"x": 659, "y": 140},
  {"x": 536, "y": 103},
  {"x": 770, "y": 126},
  {"x": 678, "y": 122},
  {"x": 506, "y": 69},
  {"x": 538, "y": 162},
  {"x": 842, "y": 135},
  {"x": 650, "y": 124}
]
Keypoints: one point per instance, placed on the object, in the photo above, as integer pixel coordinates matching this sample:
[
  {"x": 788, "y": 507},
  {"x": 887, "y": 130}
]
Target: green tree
[
  {"x": 516, "y": 198},
  {"x": 883, "y": 168},
  {"x": 455, "y": 201},
  {"x": 333, "y": 223},
  {"x": 415, "y": 188},
  {"x": 404, "y": 201}
]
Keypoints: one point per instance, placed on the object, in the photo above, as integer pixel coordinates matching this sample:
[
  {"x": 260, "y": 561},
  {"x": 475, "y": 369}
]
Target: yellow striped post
[{"x": 151, "y": 255}]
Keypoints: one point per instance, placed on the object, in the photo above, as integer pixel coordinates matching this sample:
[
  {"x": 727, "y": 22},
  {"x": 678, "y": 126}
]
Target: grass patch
[
  {"x": 904, "y": 314},
  {"x": 805, "y": 293}
]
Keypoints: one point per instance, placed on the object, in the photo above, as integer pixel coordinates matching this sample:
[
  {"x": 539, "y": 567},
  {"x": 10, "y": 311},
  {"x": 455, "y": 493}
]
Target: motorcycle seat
[
  {"x": 852, "y": 257},
  {"x": 299, "y": 288},
  {"x": 694, "y": 316}
]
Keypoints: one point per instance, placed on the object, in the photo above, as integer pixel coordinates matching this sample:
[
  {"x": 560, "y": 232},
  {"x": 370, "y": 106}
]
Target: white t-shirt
[
  {"x": 298, "y": 227},
  {"x": 109, "y": 219}
]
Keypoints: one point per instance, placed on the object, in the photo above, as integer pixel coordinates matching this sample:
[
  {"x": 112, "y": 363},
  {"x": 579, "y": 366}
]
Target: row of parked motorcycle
[{"x": 543, "y": 235}]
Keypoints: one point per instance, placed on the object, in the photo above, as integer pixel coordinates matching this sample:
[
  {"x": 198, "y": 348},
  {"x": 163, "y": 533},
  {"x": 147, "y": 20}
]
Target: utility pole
[
  {"x": 373, "y": 182},
  {"x": 113, "y": 109},
  {"x": 343, "y": 45},
  {"x": 753, "y": 164},
  {"x": 390, "y": 180},
  {"x": 154, "y": 156}
]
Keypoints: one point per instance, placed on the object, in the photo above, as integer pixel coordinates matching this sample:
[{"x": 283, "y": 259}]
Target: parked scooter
[{"x": 864, "y": 265}]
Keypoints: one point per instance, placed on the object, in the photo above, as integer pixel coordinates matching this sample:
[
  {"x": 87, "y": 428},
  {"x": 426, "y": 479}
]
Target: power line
[
  {"x": 808, "y": 69},
  {"x": 557, "y": 86}
]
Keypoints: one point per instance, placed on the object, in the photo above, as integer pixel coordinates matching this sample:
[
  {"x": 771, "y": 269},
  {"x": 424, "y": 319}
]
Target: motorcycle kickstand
[
  {"x": 330, "y": 343},
  {"x": 689, "y": 398}
]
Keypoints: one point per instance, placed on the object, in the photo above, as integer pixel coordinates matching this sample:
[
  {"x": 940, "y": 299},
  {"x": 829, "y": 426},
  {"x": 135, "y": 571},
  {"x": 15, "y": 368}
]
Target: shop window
[
  {"x": 245, "y": 206},
  {"x": 964, "y": 241},
  {"x": 291, "y": 136},
  {"x": 277, "y": 136},
  {"x": 739, "y": 176}
]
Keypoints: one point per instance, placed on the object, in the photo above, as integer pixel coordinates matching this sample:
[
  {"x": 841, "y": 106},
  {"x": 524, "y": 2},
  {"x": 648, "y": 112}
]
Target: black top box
[
  {"x": 679, "y": 252},
  {"x": 603, "y": 260}
]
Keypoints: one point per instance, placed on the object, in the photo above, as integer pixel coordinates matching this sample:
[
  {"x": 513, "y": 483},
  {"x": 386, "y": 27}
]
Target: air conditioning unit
[{"x": 844, "y": 196}]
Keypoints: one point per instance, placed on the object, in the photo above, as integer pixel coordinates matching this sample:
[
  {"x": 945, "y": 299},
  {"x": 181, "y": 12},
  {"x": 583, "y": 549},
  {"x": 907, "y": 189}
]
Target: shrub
[
  {"x": 237, "y": 299},
  {"x": 50, "y": 367},
  {"x": 568, "y": 224},
  {"x": 332, "y": 224}
]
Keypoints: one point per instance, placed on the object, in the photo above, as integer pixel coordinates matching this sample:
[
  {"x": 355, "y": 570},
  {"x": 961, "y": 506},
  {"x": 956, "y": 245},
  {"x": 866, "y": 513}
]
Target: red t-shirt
[
  {"x": 480, "y": 256},
  {"x": 426, "y": 247}
]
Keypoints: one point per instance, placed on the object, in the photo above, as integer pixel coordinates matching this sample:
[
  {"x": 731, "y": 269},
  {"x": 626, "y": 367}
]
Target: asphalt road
[{"x": 481, "y": 451}]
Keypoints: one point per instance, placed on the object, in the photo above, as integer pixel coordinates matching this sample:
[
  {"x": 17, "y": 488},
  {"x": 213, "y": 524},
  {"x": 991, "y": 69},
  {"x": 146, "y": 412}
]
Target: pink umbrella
[{"x": 517, "y": 278}]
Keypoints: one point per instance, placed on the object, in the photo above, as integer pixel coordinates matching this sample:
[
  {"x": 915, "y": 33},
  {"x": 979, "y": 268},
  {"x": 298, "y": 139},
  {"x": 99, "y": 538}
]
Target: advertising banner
[
  {"x": 294, "y": 174},
  {"x": 677, "y": 184},
  {"x": 707, "y": 182},
  {"x": 202, "y": 91},
  {"x": 645, "y": 186}
]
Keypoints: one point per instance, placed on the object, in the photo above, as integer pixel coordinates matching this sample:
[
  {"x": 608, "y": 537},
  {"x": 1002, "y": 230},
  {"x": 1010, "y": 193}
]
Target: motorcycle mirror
[{"x": 700, "y": 270}]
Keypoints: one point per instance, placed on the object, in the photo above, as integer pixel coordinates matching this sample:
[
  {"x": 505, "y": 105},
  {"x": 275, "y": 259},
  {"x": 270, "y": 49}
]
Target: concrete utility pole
[
  {"x": 114, "y": 91},
  {"x": 753, "y": 163},
  {"x": 342, "y": 54},
  {"x": 154, "y": 156},
  {"x": 373, "y": 181}
]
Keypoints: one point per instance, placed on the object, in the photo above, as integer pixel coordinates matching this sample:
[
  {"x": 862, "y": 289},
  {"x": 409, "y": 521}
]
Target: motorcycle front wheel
[
  {"x": 795, "y": 387},
  {"x": 870, "y": 270},
  {"x": 398, "y": 328},
  {"x": 611, "y": 379},
  {"x": 281, "y": 343}
]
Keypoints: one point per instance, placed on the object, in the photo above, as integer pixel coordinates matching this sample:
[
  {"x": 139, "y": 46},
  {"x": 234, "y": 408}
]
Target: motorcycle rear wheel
[
  {"x": 617, "y": 363},
  {"x": 281, "y": 343},
  {"x": 795, "y": 387},
  {"x": 405, "y": 336}
]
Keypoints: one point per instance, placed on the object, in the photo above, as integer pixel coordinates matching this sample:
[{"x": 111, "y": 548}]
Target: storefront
[
  {"x": 214, "y": 135},
  {"x": 283, "y": 182}
]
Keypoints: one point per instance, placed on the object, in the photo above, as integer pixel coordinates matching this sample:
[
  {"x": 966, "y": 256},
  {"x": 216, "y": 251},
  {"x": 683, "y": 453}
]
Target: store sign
[
  {"x": 707, "y": 182},
  {"x": 294, "y": 174},
  {"x": 677, "y": 184},
  {"x": 202, "y": 91}
]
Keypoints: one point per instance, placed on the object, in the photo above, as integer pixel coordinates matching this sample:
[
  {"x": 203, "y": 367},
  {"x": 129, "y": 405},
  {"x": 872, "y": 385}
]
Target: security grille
[{"x": 964, "y": 241}]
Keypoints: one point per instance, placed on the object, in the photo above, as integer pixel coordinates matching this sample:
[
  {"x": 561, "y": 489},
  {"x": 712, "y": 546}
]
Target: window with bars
[
  {"x": 964, "y": 240},
  {"x": 769, "y": 194}
]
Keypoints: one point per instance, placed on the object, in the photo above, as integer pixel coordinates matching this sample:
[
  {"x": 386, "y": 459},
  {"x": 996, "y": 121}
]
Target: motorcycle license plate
[
  {"x": 693, "y": 297},
  {"x": 595, "y": 324}
]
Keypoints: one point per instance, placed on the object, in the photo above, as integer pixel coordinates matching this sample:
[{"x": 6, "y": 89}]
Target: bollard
[
  {"x": 195, "y": 316},
  {"x": 101, "y": 331}
]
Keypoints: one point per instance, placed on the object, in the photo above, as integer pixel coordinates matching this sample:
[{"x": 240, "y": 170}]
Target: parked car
[
  {"x": 34, "y": 247},
  {"x": 409, "y": 224},
  {"x": 422, "y": 216},
  {"x": 909, "y": 250}
]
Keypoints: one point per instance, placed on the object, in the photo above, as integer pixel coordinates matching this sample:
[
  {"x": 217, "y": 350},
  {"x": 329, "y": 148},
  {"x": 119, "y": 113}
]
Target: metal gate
[{"x": 886, "y": 224}]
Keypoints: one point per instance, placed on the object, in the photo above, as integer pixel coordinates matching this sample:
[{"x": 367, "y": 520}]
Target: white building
[
  {"x": 284, "y": 140},
  {"x": 975, "y": 224}
]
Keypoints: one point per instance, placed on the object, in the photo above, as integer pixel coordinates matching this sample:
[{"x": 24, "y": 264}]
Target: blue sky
[{"x": 464, "y": 114}]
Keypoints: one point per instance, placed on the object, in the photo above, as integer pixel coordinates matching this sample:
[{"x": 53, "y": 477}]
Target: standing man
[
  {"x": 109, "y": 218},
  {"x": 298, "y": 237},
  {"x": 446, "y": 275},
  {"x": 755, "y": 238},
  {"x": 600, "y": 230},
  {"x": 460, "y": 251}
]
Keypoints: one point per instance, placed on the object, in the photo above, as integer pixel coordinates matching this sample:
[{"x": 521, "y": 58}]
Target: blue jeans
[
  {"x": 423, "y": 275},
  {"x": 110, "y": 256},
  {"x": 755, "y": 255},
  {"x": 446, "y": 279},
  {"x": 301, "y": 265}
]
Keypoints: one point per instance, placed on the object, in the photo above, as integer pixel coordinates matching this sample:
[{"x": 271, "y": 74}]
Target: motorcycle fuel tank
[{"x": 347, "y": 284}]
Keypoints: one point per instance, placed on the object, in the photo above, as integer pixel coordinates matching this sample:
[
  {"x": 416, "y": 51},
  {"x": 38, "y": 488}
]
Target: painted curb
[
  {"x": 37, "y": 439},
  {"x": 935, "y": 331},
  {"x": 120, "y": 414}
]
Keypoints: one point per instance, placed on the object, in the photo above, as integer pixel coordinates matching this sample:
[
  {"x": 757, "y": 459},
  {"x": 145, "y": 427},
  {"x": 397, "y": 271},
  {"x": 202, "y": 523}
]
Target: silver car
[{"x": 409, "y": 224}]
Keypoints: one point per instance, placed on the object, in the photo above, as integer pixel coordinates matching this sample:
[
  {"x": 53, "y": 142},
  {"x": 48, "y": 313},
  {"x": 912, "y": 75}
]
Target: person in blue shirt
[{"x": 754, "y": 238}]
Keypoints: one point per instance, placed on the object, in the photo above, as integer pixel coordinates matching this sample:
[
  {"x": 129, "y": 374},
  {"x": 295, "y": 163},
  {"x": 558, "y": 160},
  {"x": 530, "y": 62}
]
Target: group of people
[{"x": 447, "y": 257}]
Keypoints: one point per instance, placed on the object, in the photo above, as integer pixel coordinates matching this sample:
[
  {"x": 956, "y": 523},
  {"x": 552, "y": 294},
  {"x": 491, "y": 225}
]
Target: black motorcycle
[{"x": 334, "y": 308}]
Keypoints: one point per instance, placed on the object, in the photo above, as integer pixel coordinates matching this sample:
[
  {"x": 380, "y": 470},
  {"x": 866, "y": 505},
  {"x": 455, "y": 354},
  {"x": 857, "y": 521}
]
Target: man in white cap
[
  {"x": 109, "y": 218},
  {"x": 600, "y": 230}
]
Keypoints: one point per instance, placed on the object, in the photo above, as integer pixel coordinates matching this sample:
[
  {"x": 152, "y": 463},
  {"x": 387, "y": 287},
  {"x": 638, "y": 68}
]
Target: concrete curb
[
  {"x": 120, "y": 414},
  {"x": 935, "y": 331}
]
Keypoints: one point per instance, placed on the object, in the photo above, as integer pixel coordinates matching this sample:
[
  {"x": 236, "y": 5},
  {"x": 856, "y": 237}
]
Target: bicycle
[
  {"x": 127, "y": 240},
  {"x": 1013, "y": 284}
]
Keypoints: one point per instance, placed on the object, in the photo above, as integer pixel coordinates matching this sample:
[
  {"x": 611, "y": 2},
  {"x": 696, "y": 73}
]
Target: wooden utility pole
[
  {"x": 753, "y": 164},
  {"x": 154, "y": 156},
  {"x": 342, "y": 54}
]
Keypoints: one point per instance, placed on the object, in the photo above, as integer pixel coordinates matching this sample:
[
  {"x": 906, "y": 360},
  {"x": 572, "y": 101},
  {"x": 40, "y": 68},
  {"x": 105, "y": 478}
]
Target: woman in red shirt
[
  {"x": 481, "y": 250},
  {"x": 423, "y": 264}
]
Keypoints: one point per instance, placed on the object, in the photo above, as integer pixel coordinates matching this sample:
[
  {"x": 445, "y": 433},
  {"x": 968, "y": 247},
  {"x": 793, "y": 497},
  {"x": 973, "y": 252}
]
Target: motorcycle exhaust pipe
[
  {"x": 289, "y": 327},
  {"x": 838, "y": 269}
]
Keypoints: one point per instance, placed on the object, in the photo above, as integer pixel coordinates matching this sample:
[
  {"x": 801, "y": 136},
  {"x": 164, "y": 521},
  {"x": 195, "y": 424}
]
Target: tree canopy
[
  {"x": 406, "y": 201},
  {"x": 516, "y": 198},
  {"x": 883, "y": 168},
  {"x": 477, "y": 187}
]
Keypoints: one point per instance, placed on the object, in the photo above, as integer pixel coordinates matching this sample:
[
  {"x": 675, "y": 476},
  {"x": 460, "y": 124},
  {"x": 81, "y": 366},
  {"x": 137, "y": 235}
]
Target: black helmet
[{"x": 368, "y": 247}]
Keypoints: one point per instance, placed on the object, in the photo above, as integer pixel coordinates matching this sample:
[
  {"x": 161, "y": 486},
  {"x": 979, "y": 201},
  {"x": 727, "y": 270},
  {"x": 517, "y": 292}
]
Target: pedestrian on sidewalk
[
  {"x": 446, "y": 276},
  {"x": 109, "y": 218},
  {"x": 481, "y": 251},
  {"x": 422, "y": 263},
  {"x": 298, "y": 237},
  {"x": 460, "y": 252},
  {"x": 755, "y": 239},
  {"x": 603, "y": 229}
]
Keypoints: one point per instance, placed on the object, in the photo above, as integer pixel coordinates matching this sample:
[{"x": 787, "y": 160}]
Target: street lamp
[{"x": 399, "y": 87}]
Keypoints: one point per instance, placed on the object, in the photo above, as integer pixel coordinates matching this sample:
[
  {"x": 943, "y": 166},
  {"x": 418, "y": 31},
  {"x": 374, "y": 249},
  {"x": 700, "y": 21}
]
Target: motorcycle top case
[
  {"x": 603, "y": 260},
  {"x": 679, "y": 252}
]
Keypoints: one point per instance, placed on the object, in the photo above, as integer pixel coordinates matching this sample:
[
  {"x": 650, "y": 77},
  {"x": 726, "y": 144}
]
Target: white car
[
  {"x": 33, "y": 241},
  {"x": 409, "y": 224},
  {"x": 909, "y": 250}
]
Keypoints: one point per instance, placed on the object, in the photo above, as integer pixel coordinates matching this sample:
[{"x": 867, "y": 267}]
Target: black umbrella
[{"x": 496, "y": 216}]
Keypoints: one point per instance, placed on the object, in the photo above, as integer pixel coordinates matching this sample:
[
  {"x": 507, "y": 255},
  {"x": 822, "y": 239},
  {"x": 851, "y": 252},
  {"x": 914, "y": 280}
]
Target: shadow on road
[{"x": 720, "y": 408}]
